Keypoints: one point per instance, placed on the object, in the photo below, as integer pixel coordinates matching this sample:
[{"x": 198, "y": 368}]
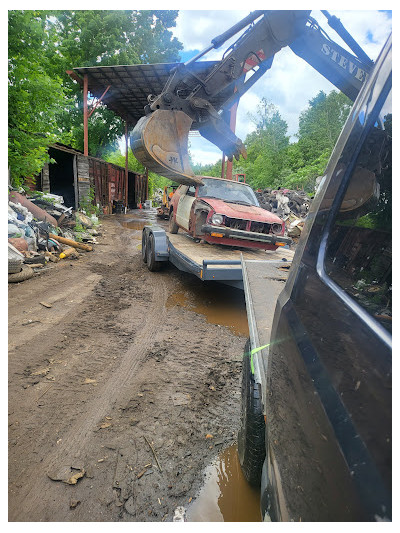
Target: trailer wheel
[
  {"x": 152, "y": 264},
  {"x": 251, "y": 435},
  {"x": 173, "y": 226},
  {"x": 144, "y": 246}
]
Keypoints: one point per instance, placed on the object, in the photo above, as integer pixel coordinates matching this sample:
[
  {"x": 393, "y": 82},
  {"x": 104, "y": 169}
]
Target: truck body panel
[{"x": 326, "y": 374}]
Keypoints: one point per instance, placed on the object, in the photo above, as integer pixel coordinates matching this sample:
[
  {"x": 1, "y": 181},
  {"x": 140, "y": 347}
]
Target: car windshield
[{"x": 229, "y": 191}]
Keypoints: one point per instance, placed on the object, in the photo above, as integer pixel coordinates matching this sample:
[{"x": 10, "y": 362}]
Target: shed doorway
[{"x": 61, "y": 176}]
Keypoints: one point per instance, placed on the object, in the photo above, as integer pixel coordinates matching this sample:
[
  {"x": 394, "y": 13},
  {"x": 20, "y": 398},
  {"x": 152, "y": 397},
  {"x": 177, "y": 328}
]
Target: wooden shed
[{"x": 73, "y": 175}]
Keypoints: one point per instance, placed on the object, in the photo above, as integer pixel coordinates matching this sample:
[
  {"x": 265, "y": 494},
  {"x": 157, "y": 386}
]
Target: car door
[{"x": 184, "y": 206}]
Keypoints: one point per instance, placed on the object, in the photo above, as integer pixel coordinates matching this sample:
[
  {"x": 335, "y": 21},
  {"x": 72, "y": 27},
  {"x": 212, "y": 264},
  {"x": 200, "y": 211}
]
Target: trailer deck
[
  {"x": 263, "y": 282},
  {"x": 209, "y": 262}
]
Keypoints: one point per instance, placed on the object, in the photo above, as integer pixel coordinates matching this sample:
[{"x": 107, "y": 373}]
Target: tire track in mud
[
  {"x": 162, "y": 372},
  {"x": 112, "y": 391},
  {"x": 72, "y": 449}
]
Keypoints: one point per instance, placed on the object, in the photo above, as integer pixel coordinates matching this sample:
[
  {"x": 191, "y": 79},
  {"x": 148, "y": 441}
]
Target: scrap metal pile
[
  {"x": 291, "y": 206},
  {"x": 41, "y": 229}
]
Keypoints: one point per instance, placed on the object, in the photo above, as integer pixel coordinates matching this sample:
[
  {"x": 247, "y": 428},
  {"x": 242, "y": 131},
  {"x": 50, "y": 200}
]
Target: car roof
[{"x": 224, "y": 179}]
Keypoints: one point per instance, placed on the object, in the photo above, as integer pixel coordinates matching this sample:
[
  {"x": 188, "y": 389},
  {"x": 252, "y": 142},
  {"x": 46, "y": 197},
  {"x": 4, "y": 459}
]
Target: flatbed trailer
[
  {"x": 209, "y": 262},
  {"x": 263, "y": 281}
]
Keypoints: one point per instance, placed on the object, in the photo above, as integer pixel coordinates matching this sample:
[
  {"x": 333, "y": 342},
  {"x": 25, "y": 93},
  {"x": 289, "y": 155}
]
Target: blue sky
[{"x": 291, "y": 82}]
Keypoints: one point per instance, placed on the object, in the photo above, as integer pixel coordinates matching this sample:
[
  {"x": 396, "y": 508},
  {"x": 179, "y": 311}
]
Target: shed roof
[{"x": 131, "y": 84}]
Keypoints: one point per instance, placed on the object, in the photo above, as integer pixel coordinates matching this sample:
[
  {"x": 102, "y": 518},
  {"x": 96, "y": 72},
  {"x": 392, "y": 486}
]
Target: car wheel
[
  {"x": 152, "y": 264},
  {"x": 144, "y": 246},
  {"x": 251, "y": 436},
  {"x": 173, "y": 226}
]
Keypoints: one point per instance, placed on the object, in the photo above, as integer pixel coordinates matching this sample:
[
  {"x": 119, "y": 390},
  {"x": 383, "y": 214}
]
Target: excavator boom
[{"x": 160, "y": 139}]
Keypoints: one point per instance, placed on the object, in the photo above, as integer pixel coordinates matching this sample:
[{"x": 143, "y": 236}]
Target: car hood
[{"x": 247, "y": 212}]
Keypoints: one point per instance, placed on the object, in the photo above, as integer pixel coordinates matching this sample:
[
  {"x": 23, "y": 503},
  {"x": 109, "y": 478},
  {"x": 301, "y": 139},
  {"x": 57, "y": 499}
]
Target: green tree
[
  {"x": 273, "y": 161},
  {"x": 321, "y": 123},
  {"x": 35, "y": 98},
  {"x": 45, "y": 105},
  {"x": 98, "y": 37},
  {"x": 265, "y": 146}
]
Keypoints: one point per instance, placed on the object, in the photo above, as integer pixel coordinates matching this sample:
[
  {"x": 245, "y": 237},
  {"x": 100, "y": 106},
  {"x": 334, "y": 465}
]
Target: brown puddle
[
  {"x": 137, "y": 220},
  {"x": 226, "y": 496},
  {"x": 135, "y": 224},
  {"x": 219, "y": 304}
]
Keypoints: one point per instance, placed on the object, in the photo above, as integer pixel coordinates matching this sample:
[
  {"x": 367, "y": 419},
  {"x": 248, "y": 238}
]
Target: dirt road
[{"x": 120, "y": 393}]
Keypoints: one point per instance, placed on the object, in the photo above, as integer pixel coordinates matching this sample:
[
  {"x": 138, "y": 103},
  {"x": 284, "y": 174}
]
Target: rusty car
[{"x": 227, "y": 212}]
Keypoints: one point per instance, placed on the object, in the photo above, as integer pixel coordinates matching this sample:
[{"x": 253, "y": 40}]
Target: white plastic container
[{"x": 15, "y": 259}]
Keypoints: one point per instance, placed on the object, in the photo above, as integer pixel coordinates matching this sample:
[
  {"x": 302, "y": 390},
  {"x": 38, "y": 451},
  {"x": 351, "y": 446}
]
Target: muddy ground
[{"x": 120, "y": 393}]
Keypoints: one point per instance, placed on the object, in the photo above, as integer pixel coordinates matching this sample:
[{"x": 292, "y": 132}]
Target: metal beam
[
  {"x": 74, "y": 76},
  {"x": 232, "y": 124},
  {"x": 126, "y": 164},
  {"x": 223, "y": 165},
  {"x": 85, "y": 116},
  {"x": 99, "y": 101}
]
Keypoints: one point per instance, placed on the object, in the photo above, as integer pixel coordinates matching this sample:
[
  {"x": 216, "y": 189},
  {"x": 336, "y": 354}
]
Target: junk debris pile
[
  {"x": 42, "y": 230},
  {"x": 291, "y": 206}
]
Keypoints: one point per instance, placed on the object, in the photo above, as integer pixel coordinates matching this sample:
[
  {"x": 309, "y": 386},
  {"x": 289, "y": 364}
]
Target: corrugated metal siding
[{"x": 107, "y": 179}]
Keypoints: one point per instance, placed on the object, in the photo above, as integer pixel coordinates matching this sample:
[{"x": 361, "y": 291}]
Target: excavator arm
[{"x": 160, "y": 138}]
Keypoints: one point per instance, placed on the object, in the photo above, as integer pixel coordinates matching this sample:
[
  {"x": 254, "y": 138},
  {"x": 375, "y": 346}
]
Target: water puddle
[
  {"x": 219, "y": 304},
  {"x": 226, "y": 496},
  {"x": 137, "y": 220},
  {"x": 135, "y": 224}
]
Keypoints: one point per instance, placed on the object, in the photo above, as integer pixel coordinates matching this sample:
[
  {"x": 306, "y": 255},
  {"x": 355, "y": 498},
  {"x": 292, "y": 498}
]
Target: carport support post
[
  {"x": 223, "y": 165},
  {"x": 85, "y": 116},
  {"x": 232, "y": 124},
  {"x": 126, "y": 165}
]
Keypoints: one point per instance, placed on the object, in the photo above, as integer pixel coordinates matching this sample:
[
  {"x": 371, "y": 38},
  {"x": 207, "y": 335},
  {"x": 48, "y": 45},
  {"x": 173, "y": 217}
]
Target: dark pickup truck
[{"x": 316, "y": 391}]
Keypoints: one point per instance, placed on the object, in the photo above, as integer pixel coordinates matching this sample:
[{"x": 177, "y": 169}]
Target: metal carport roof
[{"x": 129, "y": 85}]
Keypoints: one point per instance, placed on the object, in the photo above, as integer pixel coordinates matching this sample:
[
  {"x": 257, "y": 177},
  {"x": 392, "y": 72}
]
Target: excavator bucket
[{"x": 160, "y": 142}]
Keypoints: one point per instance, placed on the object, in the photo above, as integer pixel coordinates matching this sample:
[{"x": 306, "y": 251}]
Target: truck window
[{"x": 359, "y": 251}]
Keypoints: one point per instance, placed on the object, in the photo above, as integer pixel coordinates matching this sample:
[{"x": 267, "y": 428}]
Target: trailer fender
[{"x": 160, "y": 241}]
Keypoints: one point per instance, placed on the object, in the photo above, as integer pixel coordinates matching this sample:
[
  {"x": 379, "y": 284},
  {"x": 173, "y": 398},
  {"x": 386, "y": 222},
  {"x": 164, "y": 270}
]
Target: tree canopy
[
  {"x": 274, "y": 161},
  {"x": 45, "y": 105}
]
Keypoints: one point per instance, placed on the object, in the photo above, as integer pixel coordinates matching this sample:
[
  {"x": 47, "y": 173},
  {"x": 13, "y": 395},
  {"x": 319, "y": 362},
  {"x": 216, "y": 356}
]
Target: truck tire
[
  {"x": 144, "y": 246},
  {"x": 152, "y": 264},
  {"x": 173, "y": 226},
  {"x": 26, "y": 273},
  {"x": 251, "y": 435}
]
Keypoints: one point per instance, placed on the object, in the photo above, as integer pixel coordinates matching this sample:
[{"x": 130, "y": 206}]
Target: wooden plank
[{"x": 46, "y": 178}]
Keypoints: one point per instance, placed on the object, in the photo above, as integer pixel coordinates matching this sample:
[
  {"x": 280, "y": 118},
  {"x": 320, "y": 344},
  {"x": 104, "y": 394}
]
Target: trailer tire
[
  {"x": 144, "y": 246},
  {"x": 251, "y": 435},
  {"x": 152, "y": 264},
  {"x": 173, "y": 226}
]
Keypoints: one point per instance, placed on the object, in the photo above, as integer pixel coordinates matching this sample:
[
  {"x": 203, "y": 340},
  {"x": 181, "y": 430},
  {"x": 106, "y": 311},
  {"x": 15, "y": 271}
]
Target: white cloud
[
  {"x": 203, "y": 152},
  {"x": 195, "y": 29},
  {"x": 291, "y": 82}
]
